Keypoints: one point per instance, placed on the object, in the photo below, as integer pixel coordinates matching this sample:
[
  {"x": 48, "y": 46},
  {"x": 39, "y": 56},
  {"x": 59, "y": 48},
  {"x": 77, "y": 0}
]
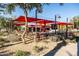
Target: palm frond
[{"x": 10, "y": 7}]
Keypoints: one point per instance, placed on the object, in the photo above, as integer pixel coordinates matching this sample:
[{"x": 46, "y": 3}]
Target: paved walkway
[{"x": 69, "y": 50}]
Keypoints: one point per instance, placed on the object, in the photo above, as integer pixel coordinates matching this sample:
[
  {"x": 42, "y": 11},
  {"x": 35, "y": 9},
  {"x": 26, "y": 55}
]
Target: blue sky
[{"x": 67, "y": 10}]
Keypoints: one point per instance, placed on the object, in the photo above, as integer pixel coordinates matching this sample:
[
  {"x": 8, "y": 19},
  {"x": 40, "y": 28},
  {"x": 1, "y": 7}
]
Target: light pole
[
  {"x": 59, "y": 24},
  {"x": 67, "y": 28},
  {"x": 56, "y": 22},
  {"x": 35, "y": 37},
  {"x": 36, "y": 20}
]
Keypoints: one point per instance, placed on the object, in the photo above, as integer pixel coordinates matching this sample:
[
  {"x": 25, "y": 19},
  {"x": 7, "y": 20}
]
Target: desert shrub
[
  {"x": 1, "y": 33},
  {"x": 64, "y": 42},
  {"x": 45, "y": 41},
  {"x": 73, "y": 41},
  {"x": 5, "y": 34},
  {"x": 22, "y": 53},
  {"x": 55, "y": 38},
  {"x": 2, "y": 39},
  {"x": 1, "y": 44},
  {"x": 13, "y": 38},
  {"x": 38, "y": 49}
]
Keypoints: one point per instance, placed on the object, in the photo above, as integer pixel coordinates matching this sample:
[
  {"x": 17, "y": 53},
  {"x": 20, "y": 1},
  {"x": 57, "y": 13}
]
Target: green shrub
[{"x": 22, "y": 53}]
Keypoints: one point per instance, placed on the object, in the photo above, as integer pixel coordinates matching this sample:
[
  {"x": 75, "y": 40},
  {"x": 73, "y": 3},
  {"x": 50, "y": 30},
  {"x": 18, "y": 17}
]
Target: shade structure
[
  {"x": 21, "y": 21},
  {"x": 29, "y": 19},
  {"x": 44, "y": 21},
  {"x": 64, "y": 23}
]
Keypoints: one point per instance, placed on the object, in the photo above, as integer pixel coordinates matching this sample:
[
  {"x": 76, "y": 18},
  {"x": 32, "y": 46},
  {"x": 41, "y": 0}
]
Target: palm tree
[
  {"x": 26, "y": 7},
  {"x": 38, "y": 10},
  {"x": 4, "y": 24},
  {"x": 76, "y": 21}
]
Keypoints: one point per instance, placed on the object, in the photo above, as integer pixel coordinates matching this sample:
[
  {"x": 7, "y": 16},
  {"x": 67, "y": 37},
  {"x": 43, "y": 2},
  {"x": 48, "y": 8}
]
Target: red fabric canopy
[
  {"x": 63, "y": 23},
  {"x": 21, "y": 21},
  {"x": 44, "y": 21},
  {"x": 31, "y": 19}
]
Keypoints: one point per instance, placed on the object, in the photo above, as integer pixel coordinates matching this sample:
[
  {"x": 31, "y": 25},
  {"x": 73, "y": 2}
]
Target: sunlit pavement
[{"x": 69, "y": 50}]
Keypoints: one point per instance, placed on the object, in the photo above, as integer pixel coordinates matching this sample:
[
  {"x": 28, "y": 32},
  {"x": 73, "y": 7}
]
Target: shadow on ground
[
  {"x": 10, "y": 44},
  {"x": 6, "y": 53},
  {"x": 77, "y": 40},
  {"x": 57, "y": 47},
  {"x": 69, "y": 53}
]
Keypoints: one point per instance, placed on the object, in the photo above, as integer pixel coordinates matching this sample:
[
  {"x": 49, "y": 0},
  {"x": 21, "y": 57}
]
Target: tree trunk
[{"x": 26, "y": 26}]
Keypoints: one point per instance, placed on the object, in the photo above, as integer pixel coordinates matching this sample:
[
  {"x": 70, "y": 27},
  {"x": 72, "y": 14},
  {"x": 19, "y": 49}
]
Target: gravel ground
[{"x": 68, "y": 50}]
